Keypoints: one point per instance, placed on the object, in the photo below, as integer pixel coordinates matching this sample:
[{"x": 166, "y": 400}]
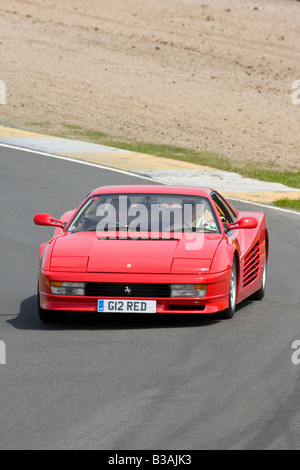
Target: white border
[{"x": 128, "y": 173}]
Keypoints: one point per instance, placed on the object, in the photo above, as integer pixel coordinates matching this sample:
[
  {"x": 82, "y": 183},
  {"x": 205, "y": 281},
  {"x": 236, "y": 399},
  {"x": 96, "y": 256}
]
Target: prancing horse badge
[{"x": 127, "y": 290}]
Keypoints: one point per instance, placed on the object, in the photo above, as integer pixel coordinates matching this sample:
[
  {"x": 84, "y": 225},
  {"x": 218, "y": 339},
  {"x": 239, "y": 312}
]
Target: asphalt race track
[{"x": 149, "y": 382}]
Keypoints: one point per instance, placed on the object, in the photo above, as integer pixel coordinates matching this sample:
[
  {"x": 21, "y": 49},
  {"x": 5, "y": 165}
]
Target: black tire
[
  {"x": 259, "y": 295},
  {"x": 50, "y": 316},
  {"x": 229, "y": 312}
]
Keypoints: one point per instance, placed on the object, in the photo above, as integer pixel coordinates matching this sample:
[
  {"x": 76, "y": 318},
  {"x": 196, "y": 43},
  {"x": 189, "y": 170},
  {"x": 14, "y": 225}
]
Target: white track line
[
  {"x": 69, "y": 159},
  {"x": 128, "y": 173},
  {"x": 265, "y": 206}
]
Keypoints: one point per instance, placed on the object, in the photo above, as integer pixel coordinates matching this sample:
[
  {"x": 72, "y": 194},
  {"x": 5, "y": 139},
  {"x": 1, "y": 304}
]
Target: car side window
[
  {"x": 231, "y": 213},
  {"x": 226, "y": 214}
]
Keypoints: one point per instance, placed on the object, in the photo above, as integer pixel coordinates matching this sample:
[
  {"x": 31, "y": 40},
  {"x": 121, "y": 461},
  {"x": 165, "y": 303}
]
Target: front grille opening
[
  {"x": 187, "y": 308},
  {"x": 106, "y": 289}
]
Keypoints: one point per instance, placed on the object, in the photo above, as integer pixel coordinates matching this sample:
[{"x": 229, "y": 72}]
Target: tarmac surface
[{"x": 152, "y": 382}]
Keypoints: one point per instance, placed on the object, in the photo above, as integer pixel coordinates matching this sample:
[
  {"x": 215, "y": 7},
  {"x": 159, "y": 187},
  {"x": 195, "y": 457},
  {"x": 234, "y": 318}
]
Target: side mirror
[
  {"x": 48, "y": 220},
  {"x": 245, "y": 222}
]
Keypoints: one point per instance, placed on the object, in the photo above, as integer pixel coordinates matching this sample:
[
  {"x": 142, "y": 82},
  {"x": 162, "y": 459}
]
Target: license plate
[{"x": 126, "y": 306}]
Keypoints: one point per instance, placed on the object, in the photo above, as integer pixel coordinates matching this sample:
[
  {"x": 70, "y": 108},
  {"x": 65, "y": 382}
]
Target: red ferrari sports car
[{"x": 152, "y": 250}]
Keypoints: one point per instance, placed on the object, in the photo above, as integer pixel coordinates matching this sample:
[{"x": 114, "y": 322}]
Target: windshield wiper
[{"x": 193, "y": 230}]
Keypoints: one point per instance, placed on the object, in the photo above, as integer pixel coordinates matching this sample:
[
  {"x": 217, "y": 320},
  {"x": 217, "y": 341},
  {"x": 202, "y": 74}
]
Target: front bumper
[{"x": 216, "y": 299}]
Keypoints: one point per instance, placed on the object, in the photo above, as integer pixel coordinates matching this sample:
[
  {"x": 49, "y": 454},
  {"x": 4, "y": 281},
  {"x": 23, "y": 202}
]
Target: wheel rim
[
  {"x": 264, "y": 279},
  {"x": 233, "y": 289}
]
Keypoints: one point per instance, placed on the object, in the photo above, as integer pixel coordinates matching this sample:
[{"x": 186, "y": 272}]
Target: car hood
[{"x": 85, "y": 252}]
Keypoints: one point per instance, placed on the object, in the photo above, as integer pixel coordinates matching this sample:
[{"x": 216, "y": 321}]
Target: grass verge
[
  {"x": 293, "y": 204},
  {"x": 200, "y": 157},
  {"x": 213, "y": 160}
]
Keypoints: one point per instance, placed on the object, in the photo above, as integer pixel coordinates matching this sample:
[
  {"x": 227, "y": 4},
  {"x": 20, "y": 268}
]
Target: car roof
[{"x": 155, "y": 189}]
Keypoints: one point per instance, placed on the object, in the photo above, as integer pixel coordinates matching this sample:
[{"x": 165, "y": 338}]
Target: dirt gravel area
[{"x": 203, "y": 74}]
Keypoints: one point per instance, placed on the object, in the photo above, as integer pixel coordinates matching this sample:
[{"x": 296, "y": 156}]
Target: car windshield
[{"x": 145, "y": 213}]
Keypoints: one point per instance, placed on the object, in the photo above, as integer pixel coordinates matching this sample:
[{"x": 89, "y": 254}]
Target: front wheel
[
  {"x": 50, "y": 316},
  {"x": 259, "y": 295},
  {"x": 229, "y": 312}
]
